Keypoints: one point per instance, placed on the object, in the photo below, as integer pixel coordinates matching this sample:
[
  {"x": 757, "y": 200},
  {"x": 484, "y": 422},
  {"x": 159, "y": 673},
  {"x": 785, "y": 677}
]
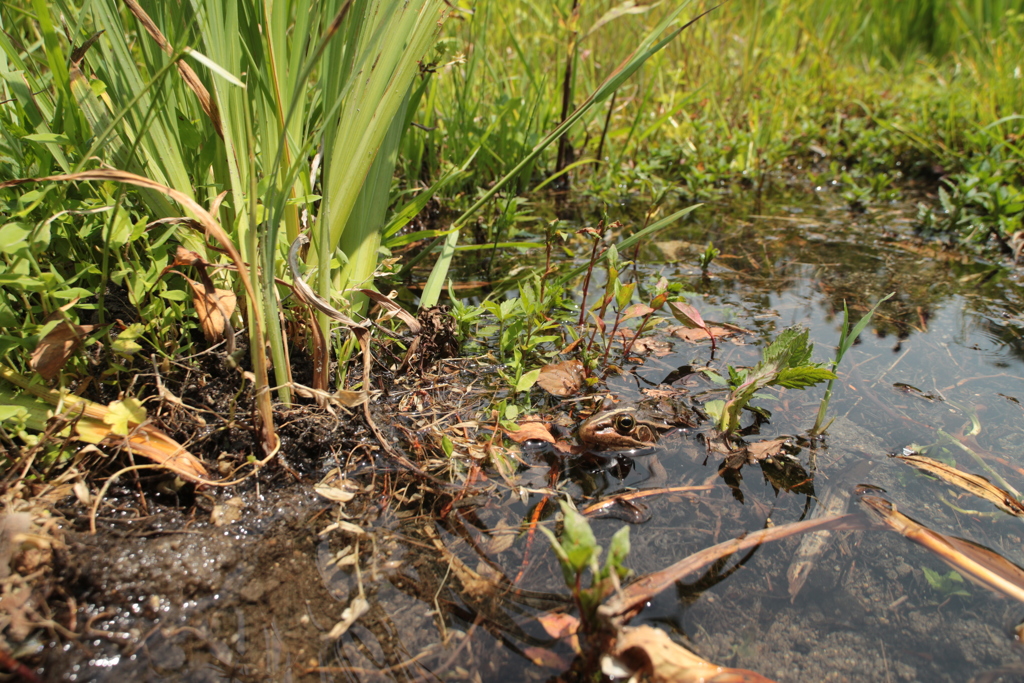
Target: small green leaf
[
  {"x": 528, "y": 380},
  {"x": 12, "y": 412},
  {"x": 174, "y": 295},
  {"x": 568, "y": 573},
  {"x": 578, "y": 539},
  {"x": 13, "y": 238},
  {"x": 447, "y": 446},
  {"x": 124, "y": 415},
  {"x": 618, "y": 550},
  {"x": 125, "y": 344}
]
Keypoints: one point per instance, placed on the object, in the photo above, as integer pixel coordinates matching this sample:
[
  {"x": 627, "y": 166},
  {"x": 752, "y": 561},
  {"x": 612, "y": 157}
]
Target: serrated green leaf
[
  {"x": 803, "y": 377},
  {"x": 714, "y": 409}
]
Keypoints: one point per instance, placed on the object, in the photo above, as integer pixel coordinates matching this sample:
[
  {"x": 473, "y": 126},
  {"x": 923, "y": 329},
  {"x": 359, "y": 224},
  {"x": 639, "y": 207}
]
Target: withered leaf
[
  {"x": 699, "y": 334},
  {"x": 976, "y": 562},
  {"x": 542, "y": 656},
  {"x": 657, "y": 347},
  {"x": 531, "y": 430},
  {"x": 187, "y": 257},
  {"x": 760, "y": 450},
  {"x": 213, "y": 310},
  {"x": 559, "y": 624},
  {"x": 648, "y": 649},
  {"x": 562, "y": 379},
  {"x": 54, "y": 350},
  {"x": 972, "y": 483}
]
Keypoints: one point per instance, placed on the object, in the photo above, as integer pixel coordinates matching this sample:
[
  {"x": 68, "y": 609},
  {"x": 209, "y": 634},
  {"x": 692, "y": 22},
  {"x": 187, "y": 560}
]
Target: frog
[{"x": 625, "y": 428}]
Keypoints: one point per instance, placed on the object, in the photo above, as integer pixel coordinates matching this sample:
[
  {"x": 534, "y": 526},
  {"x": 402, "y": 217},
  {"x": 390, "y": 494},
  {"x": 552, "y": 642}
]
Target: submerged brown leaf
[
  {"x": 759, "y": 450},
  {"x": 650, "y": 650},
  {"x": 631, "y": 599},
  {"x": 972, "y": 483},
  {"x": 562, "y": 379},
  {"x": 698, "y": 334},
  {"x": 976, "y": 562}
]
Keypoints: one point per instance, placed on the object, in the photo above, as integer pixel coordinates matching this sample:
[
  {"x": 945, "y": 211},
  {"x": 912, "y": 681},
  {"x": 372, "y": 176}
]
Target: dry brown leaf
[
  {"x": 357, "y": 608},
  {"x": 187, "y": 74},
  {"x": 695, "y": 335},
  {"x": 657, "y": 347},
  {"x": 759, "y": 450},
  {"x": 56, "y": 347},
  {"x": 187, "y": 257},
  {"x": 541, "y": 656},
  {"x": 562, "y": 379},
  {"x": 559, "y": 624},
  {"x": 632, "y": 598},
  {"x": 563, "y": 446},
  {"x": 90, "y": 427},
  {"x": 972, "y": 483},
  {"x": 977, "y": 563},
  {"x": 531, "y": 430},
  {"x": 647, "y": 649},
  {"x": 213, "y": 310},
  {"x": 500, "y": 542},
  {"x": 228, "y": 512},
  {"x": 11, "y": 525}
]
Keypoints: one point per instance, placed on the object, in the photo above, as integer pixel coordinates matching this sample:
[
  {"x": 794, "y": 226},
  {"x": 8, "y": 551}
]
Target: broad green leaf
[
  {"x": 13, "y": 238},
  {"x": 578, "y": 539},
  {"x": 527, "y": 380},
  {"x": 8, "y": 412},
  {"x": 124, "y": 415}
]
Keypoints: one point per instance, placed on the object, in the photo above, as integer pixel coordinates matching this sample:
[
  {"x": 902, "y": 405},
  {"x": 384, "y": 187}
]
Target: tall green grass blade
[
  {"x": 649, "y": 46},
  {"x": 847, "y": 337},
  {"x": 438, "y": 274}
]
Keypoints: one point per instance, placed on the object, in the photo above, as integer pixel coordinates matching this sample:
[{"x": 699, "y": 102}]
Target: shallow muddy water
[{"x": 456, "y": 596}]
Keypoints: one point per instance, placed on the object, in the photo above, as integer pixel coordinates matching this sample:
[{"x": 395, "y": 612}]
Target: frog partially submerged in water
[
  {"x": 632, "y": 427},
  {"x": 617, "y": 437}
]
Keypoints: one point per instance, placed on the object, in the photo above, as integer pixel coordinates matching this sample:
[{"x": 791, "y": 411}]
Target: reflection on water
[{"x": 448, "y": 586}]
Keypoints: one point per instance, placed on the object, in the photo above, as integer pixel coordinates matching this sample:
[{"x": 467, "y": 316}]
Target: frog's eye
[{"x": 624, "y": 424}]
